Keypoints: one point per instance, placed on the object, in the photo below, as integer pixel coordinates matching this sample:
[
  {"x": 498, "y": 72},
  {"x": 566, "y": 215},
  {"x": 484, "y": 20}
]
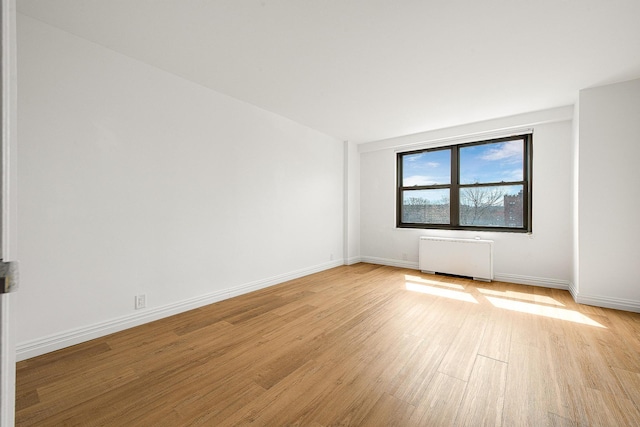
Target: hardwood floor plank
[
  {"x": 496, "y": 339},
  {"x": 330, "y": 397},
  {"x": 27, "y": 399},
  {"x": 530, "y": 387},
  {"x": 604, "y": 408},
  {"x": 44, "y": 370},
  {"x": 389, "y": 411},
  {"x": 459, "y": 360},
  {"x": 270, "y": 403},
  {"x": 412, "y": 382},
  {"x": 555, "y": 420},
  {"x": 485, "y": 394},
  {"x": 440, "y": 402},
  {"x": 205, "y": 407},
  {"x": 631, "y": 383},
  {"x": 591, "y": 360}
]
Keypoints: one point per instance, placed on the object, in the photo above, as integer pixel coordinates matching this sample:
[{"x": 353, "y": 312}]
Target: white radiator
[{"x": 463, "y": 257}]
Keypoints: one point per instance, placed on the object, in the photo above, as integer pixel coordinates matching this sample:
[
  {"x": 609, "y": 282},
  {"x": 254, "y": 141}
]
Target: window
[{"x": 483, "y": 185}]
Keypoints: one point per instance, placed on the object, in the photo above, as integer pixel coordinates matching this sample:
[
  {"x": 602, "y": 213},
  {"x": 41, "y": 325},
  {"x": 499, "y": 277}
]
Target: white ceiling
[{"x": 364, "y": 70}]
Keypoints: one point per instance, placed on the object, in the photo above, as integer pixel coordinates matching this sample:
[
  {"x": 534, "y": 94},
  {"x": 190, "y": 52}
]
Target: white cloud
[
  {"x": 410, "y": 181},
  {"x": 511, "y": 150},
  {"x": 513, "y": 175}
]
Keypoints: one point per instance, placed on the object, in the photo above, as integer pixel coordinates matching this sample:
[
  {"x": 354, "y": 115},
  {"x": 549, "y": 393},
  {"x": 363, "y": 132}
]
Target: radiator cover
[{"x": 463, "y": 257}]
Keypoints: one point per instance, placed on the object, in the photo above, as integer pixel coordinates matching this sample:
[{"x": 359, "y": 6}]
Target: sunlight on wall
[
  {"x": 439, "y": 292},
  {"x": 543, "y": 310},
  {"x": 521, "y": 295}
]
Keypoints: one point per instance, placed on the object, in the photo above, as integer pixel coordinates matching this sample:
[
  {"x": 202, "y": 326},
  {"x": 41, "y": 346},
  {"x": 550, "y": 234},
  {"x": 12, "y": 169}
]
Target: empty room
[{"x": 315, "y": 213}]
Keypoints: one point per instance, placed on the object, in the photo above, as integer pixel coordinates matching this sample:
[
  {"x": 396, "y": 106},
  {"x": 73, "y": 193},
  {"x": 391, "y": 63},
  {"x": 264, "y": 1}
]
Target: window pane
[
  {"x": 494, "y": 162},
  {"x": 426, "y": 206},
  {"x": 495, "y": 206},
  {"x": 426, "y": 168}
]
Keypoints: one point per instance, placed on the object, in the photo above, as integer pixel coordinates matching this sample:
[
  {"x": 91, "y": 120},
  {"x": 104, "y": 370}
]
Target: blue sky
[
  {"x": 428, "y": 168},
  {"x": 484, "y": 163}
]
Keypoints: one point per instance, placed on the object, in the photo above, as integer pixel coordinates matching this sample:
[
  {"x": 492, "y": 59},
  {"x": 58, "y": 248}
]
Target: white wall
[
  {"x": 575, "y": 248},
  {"x": 542, "y": 258},
  {"x": 133, "y": 181},
  {"x": 609, "y": 207},
  {"x": 352, "y": 201}
]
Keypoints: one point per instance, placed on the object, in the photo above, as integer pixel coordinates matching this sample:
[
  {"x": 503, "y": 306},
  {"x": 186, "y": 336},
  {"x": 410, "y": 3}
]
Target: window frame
[{"x": 455, "y": 186}]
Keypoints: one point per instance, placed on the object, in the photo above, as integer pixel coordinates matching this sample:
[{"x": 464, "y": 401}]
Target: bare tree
[
  {"x": 416, "y": 201},
  {"x": 476, "y": 203}
]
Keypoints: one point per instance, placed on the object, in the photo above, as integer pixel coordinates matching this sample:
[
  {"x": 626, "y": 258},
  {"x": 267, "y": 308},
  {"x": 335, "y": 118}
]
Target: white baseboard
[
  {"x": 573, "y": 291},
  {"x": 390, "y": 262},
  {"x": 68, "y": 338},
  {"x": 352, "y": 260},
  {"x": 503, "y": 277},
  {"x": 608, "y": 302},
  {"x": 265, "y": 283},
  {"x": 605, "y": 302},
  {"x": 543, "y": 282}
]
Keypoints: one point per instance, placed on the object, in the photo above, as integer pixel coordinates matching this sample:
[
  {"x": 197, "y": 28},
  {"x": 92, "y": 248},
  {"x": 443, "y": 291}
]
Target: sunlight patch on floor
[
  {"x": 543, "y": 310},
  {"x": 521, "y": 295},
  {"x": 440, "y": 292},
  {"x": 417, "y": 279}
]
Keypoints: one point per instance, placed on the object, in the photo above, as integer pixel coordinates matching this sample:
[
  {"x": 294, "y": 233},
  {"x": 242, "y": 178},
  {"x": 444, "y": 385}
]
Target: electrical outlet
[
  {"x": 140, "y": 301},
  {"x": 331, "y": 257}
]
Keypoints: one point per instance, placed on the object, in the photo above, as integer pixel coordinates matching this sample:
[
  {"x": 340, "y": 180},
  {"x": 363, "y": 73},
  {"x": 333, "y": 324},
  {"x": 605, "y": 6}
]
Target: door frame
[{"x": 8, "y": 206}]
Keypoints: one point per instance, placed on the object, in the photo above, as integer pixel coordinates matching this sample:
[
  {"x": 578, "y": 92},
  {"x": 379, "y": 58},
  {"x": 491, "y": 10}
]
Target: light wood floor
[{"x": 359, "y": 345}]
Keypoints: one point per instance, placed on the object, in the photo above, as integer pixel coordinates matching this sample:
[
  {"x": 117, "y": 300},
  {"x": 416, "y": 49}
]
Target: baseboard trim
[
  {"x": 573, "y": 291},
  {"x": 265, "y": 283},
  {"x": 543, "y": 282},
  {"x": 608, "y": 302},
  {"x": 502, "y": 277},
  {"x": 71, "y": 337},
  {"x": 352, "y": 260},
  {"x": 390, "y": 262}
]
